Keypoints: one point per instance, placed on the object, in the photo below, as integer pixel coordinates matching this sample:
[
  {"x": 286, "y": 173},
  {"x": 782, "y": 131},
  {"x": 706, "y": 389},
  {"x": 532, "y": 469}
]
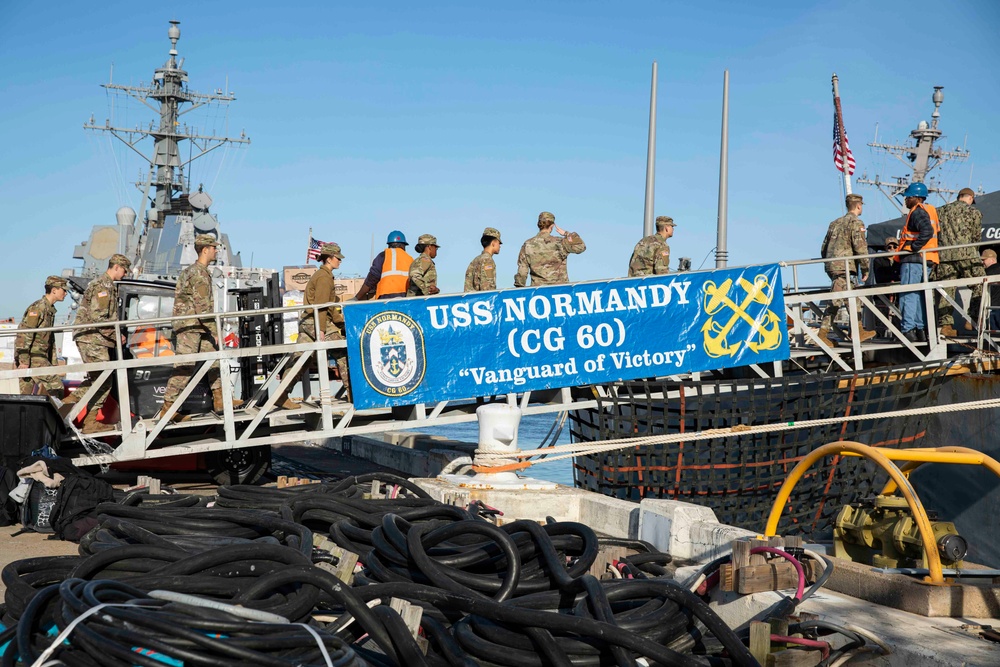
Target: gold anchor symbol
[{"x": 767, "y": 333}]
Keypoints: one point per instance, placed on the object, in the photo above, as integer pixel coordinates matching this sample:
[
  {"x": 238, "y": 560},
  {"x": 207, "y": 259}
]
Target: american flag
[
  {"x": 312, "y": 254},
  {"x": 838, "y": 159}
]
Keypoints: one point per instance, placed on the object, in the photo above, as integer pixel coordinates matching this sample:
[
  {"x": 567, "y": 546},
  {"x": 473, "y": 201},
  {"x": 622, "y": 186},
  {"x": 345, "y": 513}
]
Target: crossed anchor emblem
[{"x": 765, "y": 335}]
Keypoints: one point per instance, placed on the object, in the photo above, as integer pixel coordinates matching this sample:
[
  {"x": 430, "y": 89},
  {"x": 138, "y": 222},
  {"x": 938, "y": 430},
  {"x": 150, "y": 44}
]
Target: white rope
[
  {"x": 319, "y": 642},
  {"x": 47, "y": 653},
  {"x": 578, "y": 449}
]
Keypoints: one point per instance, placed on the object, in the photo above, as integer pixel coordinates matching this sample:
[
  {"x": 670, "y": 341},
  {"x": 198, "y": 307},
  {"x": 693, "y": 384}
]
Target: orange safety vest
[
  {"x": 145, "y": 343},
  {"x": 395, "y": 273},
  {"x": 908, "y": 236}
]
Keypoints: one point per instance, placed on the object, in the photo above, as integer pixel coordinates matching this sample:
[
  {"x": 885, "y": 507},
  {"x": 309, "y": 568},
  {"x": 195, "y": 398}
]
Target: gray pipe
[
  {"x": 721, "y": 253},
  {"x": 647, "y": 215}
]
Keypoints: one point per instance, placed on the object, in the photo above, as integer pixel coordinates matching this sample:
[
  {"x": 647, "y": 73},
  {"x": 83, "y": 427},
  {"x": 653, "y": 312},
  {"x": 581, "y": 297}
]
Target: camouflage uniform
[
  {"x": 37, "y": 350},
  {"x": 423, "y": 276},
  {"x": 651, "y": 257},
  {"x": 959, "y": 223},
  {"x": 321, "y": 289},
  {"x": 481, "y": 275},
  {"x": 193, "y": 296},
  {"x": 543, "y": 256},
  {"x": 98, "y": 305},
  {"x": 845, "y": 237},
  {"x": 423, "y": 273}
]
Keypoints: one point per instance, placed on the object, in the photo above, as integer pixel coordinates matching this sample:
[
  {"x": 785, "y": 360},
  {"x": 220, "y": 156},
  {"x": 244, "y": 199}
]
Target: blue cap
[
  {"x": 396, "y": 237},
  {"x": 916, "y": 190}
]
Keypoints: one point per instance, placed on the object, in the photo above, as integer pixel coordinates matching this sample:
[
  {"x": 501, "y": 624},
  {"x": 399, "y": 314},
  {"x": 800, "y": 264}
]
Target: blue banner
[{"x": 429, "y": 349}]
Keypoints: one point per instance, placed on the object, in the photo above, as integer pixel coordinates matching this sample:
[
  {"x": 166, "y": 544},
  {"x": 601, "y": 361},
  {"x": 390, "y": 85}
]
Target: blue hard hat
[
  {"x": 396, "y": 237},
  {"x": 915, "y": 190}
]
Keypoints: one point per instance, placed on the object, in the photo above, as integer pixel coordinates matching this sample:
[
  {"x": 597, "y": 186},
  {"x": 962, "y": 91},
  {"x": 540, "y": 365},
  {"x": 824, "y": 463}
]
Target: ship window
[{"x": 150, "y": 340}]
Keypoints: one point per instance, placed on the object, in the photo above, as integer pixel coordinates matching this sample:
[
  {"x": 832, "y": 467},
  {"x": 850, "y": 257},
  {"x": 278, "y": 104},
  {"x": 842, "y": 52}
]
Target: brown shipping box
[
  {"x": 348, "y": 287},
  {"x": 297, "y": 277}
]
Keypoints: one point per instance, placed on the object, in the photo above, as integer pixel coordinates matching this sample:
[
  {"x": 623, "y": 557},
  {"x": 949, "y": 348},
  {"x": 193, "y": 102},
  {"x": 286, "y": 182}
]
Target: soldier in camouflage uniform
[
  {"x": 651, "y": 256},
  {"x": 423, "y": 273},
  {"x": 99, "y": 305},
  {"x": 482, "y": 272},
  {"x": 543, "y": 256},
  {"x": 959, "y": 223},
  {"x": 844, "y": 238},
  {"x": 37, "y": 350},
  {"x": 193, "y": 296},
  {"x": 320, "y": 289}
]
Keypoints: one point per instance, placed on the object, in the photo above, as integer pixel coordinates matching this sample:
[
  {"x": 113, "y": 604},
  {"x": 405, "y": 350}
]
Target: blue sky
[{"x": 445, "y": 118}]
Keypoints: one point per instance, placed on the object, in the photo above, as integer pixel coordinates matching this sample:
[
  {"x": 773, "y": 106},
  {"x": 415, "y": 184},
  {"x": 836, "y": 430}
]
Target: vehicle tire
[{"x": 238, "y": 466}]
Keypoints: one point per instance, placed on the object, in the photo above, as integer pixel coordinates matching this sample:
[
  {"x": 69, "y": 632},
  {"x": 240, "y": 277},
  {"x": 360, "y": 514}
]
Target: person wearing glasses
[{"x": 886, "y": 270}]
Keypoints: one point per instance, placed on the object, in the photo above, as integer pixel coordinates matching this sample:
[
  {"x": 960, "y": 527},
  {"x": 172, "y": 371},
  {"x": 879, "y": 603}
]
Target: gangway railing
[
  {"x": 863, "y": 298},
  {"x": 331, "y": 414}
]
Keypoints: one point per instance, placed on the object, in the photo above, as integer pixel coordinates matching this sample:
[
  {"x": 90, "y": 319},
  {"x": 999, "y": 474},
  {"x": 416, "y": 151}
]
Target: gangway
[{"x": 328, "y": 413}]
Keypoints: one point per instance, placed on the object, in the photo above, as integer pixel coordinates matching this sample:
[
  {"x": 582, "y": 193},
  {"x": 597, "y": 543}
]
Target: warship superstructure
[{"x": 160, "y": 242}]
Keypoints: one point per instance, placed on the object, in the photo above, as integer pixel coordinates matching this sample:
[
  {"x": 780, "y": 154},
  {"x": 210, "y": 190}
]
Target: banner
[{"x": 429, "y": 349}]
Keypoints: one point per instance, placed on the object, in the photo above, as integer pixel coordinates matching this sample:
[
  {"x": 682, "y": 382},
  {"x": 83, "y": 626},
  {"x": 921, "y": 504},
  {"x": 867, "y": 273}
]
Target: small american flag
[
  {"x": 838, "y": 159},
  {"x": 312, "y": 254}
]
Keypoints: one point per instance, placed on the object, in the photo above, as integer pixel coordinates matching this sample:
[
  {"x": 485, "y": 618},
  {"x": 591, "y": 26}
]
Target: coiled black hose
[
  {"x": 518, "y": 594},
  {"x": 149, "y": 632}
]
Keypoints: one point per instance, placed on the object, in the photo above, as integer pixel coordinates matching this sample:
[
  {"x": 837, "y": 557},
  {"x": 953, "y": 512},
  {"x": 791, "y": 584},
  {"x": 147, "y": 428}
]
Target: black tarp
[{"x": 989, "y": 204}]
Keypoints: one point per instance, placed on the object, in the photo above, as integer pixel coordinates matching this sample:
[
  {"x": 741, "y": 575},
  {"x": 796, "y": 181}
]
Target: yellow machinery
[
  {"x": 884, "y": 533},
  {"x": 916, "y": 532}
]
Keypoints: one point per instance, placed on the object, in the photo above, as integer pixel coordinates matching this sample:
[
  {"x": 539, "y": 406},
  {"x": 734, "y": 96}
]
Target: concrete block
[
  {"x": 970, "y": 600},
  {"x": 685, "y": 530},
  {"x": 607, "y": 516}
]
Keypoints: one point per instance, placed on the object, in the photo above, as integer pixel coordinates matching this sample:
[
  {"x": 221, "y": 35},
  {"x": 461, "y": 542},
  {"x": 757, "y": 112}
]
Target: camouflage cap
[
  {"x": 852, "y": 199},
  {"x": 428, "y": 239},
  {"x": 118, "y": 259},
  {"x": 206, "y": 240},
  {"x": 55, "y": 281},
  {"x": 665, "y": 220},
  {"x": 331, "y": 249},
  {"x": 967, "y": 191},
  {"x": 545, "y": 219},
  {"x": 492, "y": 231},
  {"x": 891, "y": 240}
]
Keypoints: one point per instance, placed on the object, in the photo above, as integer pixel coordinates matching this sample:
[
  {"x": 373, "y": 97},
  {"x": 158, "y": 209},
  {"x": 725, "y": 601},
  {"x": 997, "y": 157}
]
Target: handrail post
[
  {"x": 225, "y": 382},
  {"x": 124, "y": 395}
]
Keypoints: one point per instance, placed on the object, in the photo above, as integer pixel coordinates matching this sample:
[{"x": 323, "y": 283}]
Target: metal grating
[{"x": 739, "y": 476}]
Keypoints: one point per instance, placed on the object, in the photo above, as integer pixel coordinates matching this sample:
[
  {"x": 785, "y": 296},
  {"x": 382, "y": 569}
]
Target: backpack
[
  {"x": 36, "y": 510},
  {"x": 78, "y": 496}
]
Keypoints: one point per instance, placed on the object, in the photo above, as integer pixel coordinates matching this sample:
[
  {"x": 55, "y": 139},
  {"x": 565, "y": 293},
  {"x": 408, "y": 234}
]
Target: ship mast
[
  {"x": 165, "y": 95},
  {"x": 922, "y": 157}
]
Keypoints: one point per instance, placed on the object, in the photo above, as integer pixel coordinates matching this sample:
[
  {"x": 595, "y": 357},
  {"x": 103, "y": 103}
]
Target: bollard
[{"x": 498, "y": 423}]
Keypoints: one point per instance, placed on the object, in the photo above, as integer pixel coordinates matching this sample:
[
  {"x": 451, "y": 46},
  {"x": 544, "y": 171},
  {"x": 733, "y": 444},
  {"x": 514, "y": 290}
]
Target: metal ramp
[{"x": 328, "y": 413}]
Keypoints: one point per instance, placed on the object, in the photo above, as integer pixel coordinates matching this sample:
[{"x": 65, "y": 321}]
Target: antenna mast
[
  {"x": 165, "y": 95},
  {"x": 922, "y": 157}
]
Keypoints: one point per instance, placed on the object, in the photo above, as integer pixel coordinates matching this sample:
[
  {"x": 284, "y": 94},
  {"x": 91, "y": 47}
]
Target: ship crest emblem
[
  {"x": 727, "y": 333},
  {"x": 392, "y": 354}
]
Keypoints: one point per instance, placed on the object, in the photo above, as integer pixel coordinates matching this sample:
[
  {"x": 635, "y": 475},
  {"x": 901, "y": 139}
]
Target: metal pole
[
  {"x": 721, "y": 251},
  {"x": 843, "y": 135},
  {"x": 647, "y": 215}
]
